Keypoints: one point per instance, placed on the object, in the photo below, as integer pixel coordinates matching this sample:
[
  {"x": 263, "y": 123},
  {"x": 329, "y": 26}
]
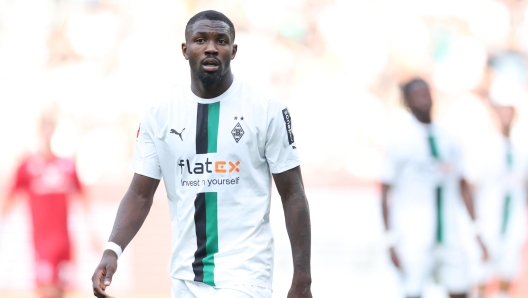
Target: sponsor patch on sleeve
[{"x": 287, "y": 120}]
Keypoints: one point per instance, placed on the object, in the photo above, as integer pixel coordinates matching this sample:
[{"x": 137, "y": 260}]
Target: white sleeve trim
[
  {"x": 145, "y": 169},
  {"x": 277, "y": 169}
]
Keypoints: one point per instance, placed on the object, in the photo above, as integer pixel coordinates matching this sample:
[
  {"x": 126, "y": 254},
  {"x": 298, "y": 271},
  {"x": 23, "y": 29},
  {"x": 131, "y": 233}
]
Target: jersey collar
[
  {"x": 232, "y": 89},
  {"x": 424, "y": 128}
]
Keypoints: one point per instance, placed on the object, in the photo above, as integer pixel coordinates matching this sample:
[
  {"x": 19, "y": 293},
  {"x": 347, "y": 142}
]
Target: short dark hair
[
  {"x": 405, "y": 88},
  {"x": 211, "y": 15}
]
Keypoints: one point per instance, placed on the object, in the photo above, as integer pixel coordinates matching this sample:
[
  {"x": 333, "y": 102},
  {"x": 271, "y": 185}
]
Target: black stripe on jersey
[
  {"x": 201, "y": 238},
  {"x": 201, "y": 129}
]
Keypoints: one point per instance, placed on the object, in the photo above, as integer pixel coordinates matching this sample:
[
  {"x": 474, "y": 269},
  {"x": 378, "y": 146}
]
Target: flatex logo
[
  {"x": 287, "y": 120},
  {"x": 220, "y": 167}
]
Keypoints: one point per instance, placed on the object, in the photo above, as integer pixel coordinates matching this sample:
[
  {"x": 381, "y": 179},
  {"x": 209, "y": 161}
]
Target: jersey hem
[
  {"x": 232, "y": 286},
  {"x": 387, "y": 181}
]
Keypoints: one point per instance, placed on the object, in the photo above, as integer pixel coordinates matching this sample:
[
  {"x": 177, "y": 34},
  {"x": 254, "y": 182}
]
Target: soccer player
[
  {"x": 499, "y": 176},
  {"x": 49, "y": 181},
  {"x": 422, "y": 179},
  {"x": 216, "y": 144}
]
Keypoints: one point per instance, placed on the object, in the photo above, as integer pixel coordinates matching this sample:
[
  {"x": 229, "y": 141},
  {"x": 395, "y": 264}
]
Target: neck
[
  {"x": 423, "y": 118},
  {"x": 46, "y": 150},
  {"x": 505, "y": 131},
  {"x": 211, "y": 91}
]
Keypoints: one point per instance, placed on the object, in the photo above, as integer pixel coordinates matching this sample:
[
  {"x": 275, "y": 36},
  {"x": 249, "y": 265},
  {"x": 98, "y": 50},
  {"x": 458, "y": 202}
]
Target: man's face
[
  {"x": 209, "y": 48},
  {"x": 419, "y": 98}
]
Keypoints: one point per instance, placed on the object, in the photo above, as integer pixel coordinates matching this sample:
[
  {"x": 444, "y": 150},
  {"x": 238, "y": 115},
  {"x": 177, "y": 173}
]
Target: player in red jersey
[{"x": 48, "y": 181}]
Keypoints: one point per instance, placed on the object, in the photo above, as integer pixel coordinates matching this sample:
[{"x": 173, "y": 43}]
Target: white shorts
[
  {"x": 194, "y": 289},
  {"x": 504, "y": 249},
  {"x": 504, "y": 262},
  {"x": 448, "y": 265}
]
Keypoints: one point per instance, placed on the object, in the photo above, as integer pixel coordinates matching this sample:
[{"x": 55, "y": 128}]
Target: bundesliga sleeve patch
[
  {"x": 139, "y": 129},
  {"x": 287, "y": 120}
]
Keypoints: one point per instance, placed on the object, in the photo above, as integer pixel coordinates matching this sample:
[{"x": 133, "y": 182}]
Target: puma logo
[{"x": 177, "y": 133}]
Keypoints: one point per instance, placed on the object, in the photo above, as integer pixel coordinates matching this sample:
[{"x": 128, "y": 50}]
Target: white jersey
[
  {"x": 422, "y": 166},
  {"x": 216, "y": 157},
  {"x": 498, "y": 171}
]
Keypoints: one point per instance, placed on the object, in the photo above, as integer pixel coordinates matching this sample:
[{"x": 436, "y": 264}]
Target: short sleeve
[
  {"x": 460, "y": 163},
  {"x": 145, "y": 159},
  {"x": 473, "y": 164},
  {"x": 281, "y": 150},
  {"x": 21, "y": 179},
  {"x": 389, "y": 167}
]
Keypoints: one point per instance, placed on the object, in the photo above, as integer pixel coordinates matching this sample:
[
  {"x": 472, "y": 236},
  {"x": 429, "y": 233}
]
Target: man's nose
[{"x": 211, "y": 48}]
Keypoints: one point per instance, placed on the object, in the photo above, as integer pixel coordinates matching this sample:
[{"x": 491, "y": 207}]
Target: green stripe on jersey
[
  {"x": 212, "y": 127},
  {"x": 438, "y": 192},
  {"x": 509, "y": 157},
  {"x": 439, "y": 216},
  {"x": 506, "y": 214},
  {"x": 507, "y": 200},
  {"x": 433, "y": 147},
  {"x": 211, "y": 230}
]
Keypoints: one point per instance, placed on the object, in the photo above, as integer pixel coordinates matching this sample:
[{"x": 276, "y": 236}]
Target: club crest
[{"x": 237, "y": 132}]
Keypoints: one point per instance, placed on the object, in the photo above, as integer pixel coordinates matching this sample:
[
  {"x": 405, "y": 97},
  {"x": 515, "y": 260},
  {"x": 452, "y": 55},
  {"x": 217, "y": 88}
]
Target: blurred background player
[
  {"x": 499, "y": 175},
  {"x": 422, "y": 179},
  {"x": 48, "y": 181}
]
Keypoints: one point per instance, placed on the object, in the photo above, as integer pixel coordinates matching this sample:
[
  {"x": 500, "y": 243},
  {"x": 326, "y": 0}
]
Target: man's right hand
[
  {"x": 102, "y": 276},
  {"x": 484, "y": 249},
  {"x": 394, "y": 258}
]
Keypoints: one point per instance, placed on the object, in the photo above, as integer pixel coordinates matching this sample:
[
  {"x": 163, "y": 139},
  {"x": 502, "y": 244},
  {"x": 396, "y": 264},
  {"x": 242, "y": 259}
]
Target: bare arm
[
  {"x": 6, "y": 205},
  {"x": 385, "y": 188},
  {"x": 20, "y": 185},
  {"x": 133, "y": 209},
  {"x": 465, "y": 190},
  {"x": 5, "y": 208},
  {"x": 467, "y": 196},
  {"x": 131, "y": 214},
  {"x": 297, "y": 215}
]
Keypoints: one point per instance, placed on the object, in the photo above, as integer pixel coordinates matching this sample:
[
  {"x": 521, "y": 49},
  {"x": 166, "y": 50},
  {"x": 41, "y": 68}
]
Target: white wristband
[
  {"x": 390, "y": 238},
  {"x": 475, "y": 228},
  {"x": 115, "y": 248}
]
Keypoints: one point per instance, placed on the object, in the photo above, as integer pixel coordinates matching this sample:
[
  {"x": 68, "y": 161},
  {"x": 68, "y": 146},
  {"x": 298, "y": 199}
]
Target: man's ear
[
  {"x": 234, "y": 52},
  {"x": 184, "y": 51}
]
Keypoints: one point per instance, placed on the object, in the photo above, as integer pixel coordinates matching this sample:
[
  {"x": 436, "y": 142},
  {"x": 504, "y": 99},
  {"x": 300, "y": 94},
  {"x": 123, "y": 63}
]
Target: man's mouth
[{"x": 210, "y": 64}]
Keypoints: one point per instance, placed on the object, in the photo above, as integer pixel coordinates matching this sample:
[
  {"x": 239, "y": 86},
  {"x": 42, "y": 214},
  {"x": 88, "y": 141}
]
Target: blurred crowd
[
  {"x": 103, "y": 62},
  {"x": 338, "y": 64}
]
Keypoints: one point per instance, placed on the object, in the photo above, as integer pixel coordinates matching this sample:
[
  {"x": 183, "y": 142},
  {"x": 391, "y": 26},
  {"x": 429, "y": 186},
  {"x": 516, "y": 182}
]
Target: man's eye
[
  {"x": 222, "y": 41},
  {"x": 200, "y": 40}
]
